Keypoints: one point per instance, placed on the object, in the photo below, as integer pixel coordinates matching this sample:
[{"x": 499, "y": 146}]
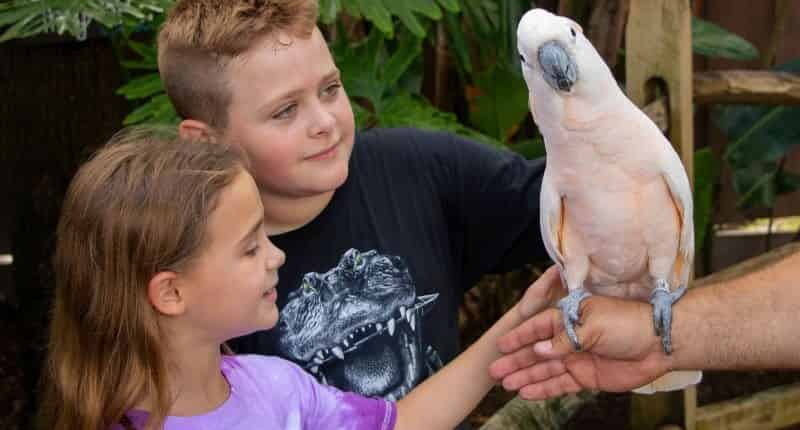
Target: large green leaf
[
  {"x": 142, "y": 87},
  {"x": 359, "y": 65},
  {"x": 408, "y": 49},
  {"x": 405, "y": 109},
  {"x": 26, "y": 18},
  {"x": 759, "y": 137},
  {"x": 450, "y": 5},
  {"x": 502, "y": 103},
  {"x": 375, "y": 12},
  {"x": 370, "y": 71},
  {"x": 706, "y": 170},
  {"x": 529, "y": 148},
  {"x": 711, "y": 40},
  {"x": 158, "y": 109},
  {"x": 328, "y": 9},
  {"x": 406, "y": 15}
]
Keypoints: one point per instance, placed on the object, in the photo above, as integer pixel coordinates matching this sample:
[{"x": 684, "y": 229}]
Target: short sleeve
[{"x": 327, "y": 407}]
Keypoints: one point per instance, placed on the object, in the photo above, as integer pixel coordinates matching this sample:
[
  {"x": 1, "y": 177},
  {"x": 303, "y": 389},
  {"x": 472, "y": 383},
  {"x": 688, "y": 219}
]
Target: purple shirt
[{"x": 271, "y": 393}]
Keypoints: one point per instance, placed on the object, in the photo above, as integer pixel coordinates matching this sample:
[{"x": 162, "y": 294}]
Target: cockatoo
[{"x": 616, "y": 204}]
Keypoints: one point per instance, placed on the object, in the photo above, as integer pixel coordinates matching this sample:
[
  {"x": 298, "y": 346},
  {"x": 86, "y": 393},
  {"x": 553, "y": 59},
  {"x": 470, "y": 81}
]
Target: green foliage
[
  {"x": 761, "y": 136},
  {"x": 414, "y": 14},
  {"x": 711, "y": 40},
  {"x": 706, "y": 171},
  {"x": 26, "y": 18},
  {"x": 502, "y": 103},
  {"x": 382, "y": 73}
]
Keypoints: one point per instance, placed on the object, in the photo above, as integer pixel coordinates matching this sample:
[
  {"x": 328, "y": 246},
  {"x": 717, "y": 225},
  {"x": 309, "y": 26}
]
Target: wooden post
[{"x": 659, "y": 59}]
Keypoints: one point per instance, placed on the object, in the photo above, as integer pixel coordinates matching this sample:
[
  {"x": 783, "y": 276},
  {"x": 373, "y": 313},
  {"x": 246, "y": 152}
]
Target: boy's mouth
[{"x": 325, "y": 153}]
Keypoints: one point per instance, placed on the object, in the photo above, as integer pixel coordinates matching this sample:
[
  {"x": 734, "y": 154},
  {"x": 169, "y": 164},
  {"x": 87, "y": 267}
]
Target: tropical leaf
[
  {"x": 405, "y": 109},
  {"x": 158, "y": 109},
  {"x": 711, "y": 40},
  {"x": 529, "y": 148},
  {"x": 502, "y": 102},
  {"x": 706, "y": 170},
  {"x": 26, "y": 18},
  {"x": 142, "y": 87},
  {"x": 759, "y": 137}
]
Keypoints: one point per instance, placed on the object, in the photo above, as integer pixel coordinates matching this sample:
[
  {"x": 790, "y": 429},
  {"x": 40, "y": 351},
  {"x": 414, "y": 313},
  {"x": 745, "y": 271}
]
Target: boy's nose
[{"x": 323, "y": 121}]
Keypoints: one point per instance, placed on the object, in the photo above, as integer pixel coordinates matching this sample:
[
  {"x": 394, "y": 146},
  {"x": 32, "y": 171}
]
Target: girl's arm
[{"x": 447, "y": 397}]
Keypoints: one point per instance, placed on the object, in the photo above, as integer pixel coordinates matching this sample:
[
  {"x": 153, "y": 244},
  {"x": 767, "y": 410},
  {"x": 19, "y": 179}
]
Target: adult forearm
[
  {"x": 747, "y": 323},
  {"x": 447, "y": 397}
]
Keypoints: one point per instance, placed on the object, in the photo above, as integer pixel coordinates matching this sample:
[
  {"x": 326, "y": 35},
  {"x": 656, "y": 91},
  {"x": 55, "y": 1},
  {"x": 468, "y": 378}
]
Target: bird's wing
[
  {"x": 551, "y": 219},
  {"x": 675, "y": 177}
]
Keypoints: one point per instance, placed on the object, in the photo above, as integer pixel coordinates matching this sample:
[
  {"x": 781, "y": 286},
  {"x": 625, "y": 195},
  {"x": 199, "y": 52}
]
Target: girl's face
[{"x": 230, "y": 288}]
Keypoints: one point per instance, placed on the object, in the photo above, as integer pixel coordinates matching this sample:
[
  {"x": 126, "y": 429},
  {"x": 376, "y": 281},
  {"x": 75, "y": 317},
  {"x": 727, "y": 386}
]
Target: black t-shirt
[{"x": 370, "y": 291}]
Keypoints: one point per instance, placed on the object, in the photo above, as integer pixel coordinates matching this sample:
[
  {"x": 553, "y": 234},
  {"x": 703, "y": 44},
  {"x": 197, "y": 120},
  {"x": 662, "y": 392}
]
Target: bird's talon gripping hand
[
  {"x": 570, "y": 307},
  {"x": 662, "y": 300}
]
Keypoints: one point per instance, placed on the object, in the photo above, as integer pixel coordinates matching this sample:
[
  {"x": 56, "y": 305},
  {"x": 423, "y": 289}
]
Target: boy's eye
[
  {"x": 252, "y": 251},
  {"x": 332, "y": 89}
]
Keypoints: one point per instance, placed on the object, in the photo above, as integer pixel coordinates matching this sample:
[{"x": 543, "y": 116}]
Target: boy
[{"x": 389, "y": 226}]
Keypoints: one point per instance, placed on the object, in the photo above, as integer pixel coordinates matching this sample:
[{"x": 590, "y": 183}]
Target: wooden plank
[
  {"x": 747, "y": 86},
  {"x": 769, "y": 409},
  {"x": 659, "y": 48},
  {"x": 659, "y": 56},
  {"x": 751, "y": 265}
]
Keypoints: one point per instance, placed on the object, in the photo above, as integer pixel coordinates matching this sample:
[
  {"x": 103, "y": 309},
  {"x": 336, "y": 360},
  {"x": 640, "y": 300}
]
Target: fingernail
[{"x": 543, "y": 347}]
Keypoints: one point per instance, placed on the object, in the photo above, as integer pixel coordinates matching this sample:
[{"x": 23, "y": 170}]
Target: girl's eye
[
  {"x": 285, "y": 112},
  {"x": 252, "y": 251}
]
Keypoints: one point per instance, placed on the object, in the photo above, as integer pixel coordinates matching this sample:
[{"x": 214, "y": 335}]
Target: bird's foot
[
  {"x": 662, "y": 300},
  {"x": 570, "y": 307}
]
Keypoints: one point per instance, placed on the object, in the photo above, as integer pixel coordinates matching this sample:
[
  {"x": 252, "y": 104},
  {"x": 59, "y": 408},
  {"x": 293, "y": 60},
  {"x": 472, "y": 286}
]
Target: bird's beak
[{"x": 560, "y": 71}]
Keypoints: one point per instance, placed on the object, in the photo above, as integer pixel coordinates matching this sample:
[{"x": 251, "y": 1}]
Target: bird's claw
[
  {"x": 570, "y": 307},
  {"x": 662, "y": 300}
]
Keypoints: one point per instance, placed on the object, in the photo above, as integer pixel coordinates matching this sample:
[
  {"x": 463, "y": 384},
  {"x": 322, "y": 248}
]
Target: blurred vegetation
[{"x": 381, "y": 49}]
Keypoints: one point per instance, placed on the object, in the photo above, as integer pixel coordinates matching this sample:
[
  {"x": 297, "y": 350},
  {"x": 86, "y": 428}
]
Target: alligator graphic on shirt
[{"x": 357, "y": 326}]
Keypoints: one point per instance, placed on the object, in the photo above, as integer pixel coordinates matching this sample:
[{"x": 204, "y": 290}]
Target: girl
[{"x": 162, "y": 255}]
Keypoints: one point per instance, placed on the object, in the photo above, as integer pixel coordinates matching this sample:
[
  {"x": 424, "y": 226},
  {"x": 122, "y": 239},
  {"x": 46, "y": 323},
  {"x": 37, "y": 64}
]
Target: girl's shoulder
[
  {"x": 256, "y": 363},
  {"x": 261, "y": 370}
]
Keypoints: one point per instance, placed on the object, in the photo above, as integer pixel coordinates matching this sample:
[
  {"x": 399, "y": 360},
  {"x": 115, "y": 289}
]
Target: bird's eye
[
  {"x": 572, "y": 32},
  {"x": 522, "y": 59}
]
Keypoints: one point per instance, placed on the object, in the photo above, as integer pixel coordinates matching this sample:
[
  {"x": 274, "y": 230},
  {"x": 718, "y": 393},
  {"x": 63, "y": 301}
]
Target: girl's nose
[{"x": 275, "y": 256}]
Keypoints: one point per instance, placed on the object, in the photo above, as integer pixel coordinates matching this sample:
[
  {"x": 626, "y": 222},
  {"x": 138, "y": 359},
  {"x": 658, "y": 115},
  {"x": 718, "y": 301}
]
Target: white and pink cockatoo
[{"x": 616, "y": 204}]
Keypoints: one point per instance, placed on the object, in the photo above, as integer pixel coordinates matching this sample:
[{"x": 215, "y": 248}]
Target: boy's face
[
  {"x": 290, "y": 114},
  {"x": 230, "y": 288}
]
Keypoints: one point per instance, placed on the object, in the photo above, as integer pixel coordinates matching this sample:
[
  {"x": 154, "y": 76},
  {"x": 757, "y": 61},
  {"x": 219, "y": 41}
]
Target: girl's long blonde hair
[{"x": 138, "y": 207}]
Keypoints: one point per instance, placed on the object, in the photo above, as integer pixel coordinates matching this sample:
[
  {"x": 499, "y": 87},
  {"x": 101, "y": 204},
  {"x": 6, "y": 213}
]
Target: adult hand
[{"x": 620, "y": 351}]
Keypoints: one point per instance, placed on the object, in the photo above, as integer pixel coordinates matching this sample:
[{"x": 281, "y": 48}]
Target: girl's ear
[
  {"x": 165, "y": 295},
  {"x": 195, "y": 130}
]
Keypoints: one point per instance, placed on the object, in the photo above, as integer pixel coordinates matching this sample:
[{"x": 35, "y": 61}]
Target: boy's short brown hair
[{"x": 200, "y": 37}]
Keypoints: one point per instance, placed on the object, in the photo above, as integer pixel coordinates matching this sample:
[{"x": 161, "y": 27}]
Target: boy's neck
[{"x": 285, "y": 214}]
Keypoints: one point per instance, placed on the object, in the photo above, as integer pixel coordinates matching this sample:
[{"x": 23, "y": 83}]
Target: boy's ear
[
  {"x": 165, "y": 295},
  {"x": 194, "y": 129}
]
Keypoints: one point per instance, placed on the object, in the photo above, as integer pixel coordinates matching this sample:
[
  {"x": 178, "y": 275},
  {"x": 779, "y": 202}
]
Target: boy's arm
[{"x": 447, "y": 397}]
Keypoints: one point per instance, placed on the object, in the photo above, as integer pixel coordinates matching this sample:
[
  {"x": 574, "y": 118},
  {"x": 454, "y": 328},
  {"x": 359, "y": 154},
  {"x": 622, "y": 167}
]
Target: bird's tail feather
[{"x": 672, "y": 381}]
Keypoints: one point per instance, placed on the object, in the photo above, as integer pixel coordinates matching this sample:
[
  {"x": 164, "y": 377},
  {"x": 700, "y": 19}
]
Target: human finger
[{"x": 537, "y": 328}]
